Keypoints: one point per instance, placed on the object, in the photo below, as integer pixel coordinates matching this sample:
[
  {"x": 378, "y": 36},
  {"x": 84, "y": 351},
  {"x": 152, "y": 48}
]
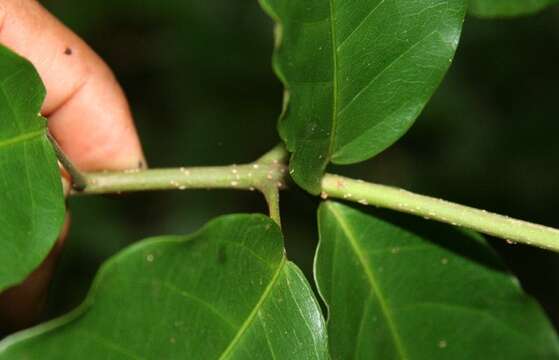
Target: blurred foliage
[{"x": 199, "y": 80}]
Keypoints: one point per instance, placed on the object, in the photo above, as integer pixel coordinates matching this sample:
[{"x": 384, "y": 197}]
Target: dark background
[{"x": 199, "y": 80}]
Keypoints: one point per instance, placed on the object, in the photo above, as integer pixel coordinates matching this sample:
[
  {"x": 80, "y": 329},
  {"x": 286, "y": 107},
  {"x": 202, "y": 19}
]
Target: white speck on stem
[
  {"x": 234, "y": 183},
  {"x": 442, "y": 344},
  {"x": 150, "y": 258}
]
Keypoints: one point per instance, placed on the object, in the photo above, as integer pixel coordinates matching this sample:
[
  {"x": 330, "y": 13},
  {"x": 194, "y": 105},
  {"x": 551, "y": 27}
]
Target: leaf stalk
[{"x": 79, "y": 182}]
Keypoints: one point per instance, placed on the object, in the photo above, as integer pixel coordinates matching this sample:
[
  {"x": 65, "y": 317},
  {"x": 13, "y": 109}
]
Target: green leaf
[
  {"x": 31, "y": 199},
  {"x": 507, "y": 8},
  {"x": 421, "y": 292},
  {"x": 357, "y": 74},
  {"x": 226, "y": 292}
]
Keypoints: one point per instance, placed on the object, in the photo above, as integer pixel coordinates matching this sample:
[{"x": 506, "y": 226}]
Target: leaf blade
[
  {"x": 31, "y": 199},
  {"x": 437, "y": 294},
  {"x": 357, "y": 74},
  {"x": 225, "y": 292}
]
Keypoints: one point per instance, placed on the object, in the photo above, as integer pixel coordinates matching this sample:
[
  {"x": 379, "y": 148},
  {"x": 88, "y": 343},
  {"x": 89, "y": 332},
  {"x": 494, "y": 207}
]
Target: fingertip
[
  {"x": 87, "y": 111},
  {"x": 103, "y": 137}
]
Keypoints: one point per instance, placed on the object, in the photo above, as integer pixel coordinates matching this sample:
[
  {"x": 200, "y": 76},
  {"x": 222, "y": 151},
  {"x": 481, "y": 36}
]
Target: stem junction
[
  {"x": 266, "y": 175},
  {"x": 269, "y": 174}
]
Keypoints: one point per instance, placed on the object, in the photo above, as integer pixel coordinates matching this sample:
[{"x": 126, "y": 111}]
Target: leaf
[
  {"x": 357, "y": 74},
  {"x": 31, "y": 199},
  {"x": 225, "y": 292},
  {"x": 507, "y": 8},
  {"x": 421, "y": 292}
]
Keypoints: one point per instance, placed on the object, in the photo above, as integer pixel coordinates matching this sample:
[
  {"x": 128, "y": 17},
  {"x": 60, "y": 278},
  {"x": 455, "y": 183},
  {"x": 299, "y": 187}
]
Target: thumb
[{"x": 87, "y": 110}]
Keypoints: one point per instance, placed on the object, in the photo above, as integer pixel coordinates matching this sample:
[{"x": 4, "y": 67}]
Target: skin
[{"x": 87, "y": 113}]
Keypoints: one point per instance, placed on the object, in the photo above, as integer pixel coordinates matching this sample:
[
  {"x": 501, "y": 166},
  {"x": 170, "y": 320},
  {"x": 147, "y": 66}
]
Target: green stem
[
  {"x": 268, "y": 175},
  {"x": 430, "y": 208},
  {"x": 78, "y": 179},
  {"x": 265, "y": 175},
  {"x": 272, "y": 198},
  {"x": 275, "y": 156},
  {"x": 244, "y": 177}
]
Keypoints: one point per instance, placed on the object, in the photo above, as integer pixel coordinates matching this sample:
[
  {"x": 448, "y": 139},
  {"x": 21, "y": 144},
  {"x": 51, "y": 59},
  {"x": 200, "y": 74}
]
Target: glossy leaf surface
[
  {"x": 424, "y": 291},
  {"x": 31, "y": 199},
  {"x": 506, "y": 8},
  {"x": 225, "y": 292},
  {"x": 357, "y": 74}
]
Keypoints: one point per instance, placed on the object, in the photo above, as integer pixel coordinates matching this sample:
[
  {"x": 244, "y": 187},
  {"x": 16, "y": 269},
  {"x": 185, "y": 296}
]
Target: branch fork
[{"x": 269, "y": 174}]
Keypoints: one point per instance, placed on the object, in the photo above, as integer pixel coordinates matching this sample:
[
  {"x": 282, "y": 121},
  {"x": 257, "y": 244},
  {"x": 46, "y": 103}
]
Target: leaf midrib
[
  {"x": 21, "y": 138},
  {"x": 334, "y": 79},
  {"x": 371, "y": 277},
  {"x": 253, "y": 314}
]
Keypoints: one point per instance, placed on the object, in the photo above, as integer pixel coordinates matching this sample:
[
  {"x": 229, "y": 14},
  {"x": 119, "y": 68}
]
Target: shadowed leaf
[
  {"x": 227, "y": 292},
  {"x": 357, "y": 74},
  {"x": 31, "y": 199},
  {"x": 429, "y": 292}
]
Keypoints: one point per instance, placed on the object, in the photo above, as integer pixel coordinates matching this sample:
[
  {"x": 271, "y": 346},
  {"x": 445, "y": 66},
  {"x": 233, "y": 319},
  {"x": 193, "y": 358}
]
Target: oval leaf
[
  {"x": 225, "y": 292},
  {"x": 357, "y": 74},
  {"x": 434, "y": 292},
  {"x": 31, "y": 199},
  {"x": 507, "y": 8}
]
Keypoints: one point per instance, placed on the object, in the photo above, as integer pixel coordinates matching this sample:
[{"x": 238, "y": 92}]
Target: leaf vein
[
  {"x": 198, "y": 300},
  {"x": 109, "y": 344},
  {"x": 253, "y": 314},
  {"x": 371, "y": 13},
  {"x": 334, "y": 80},
  {"x": 386, "y": 68},
  {"x": 373, "y": 282}
]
